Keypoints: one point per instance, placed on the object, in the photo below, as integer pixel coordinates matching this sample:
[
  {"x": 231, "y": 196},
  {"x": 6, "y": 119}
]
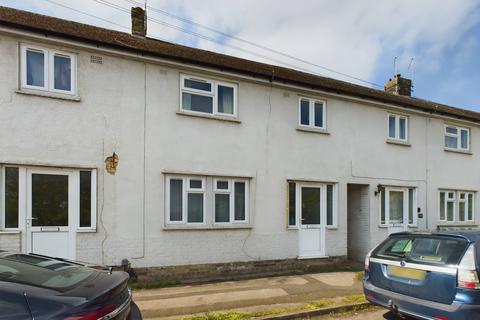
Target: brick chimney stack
[
  {"x": 399, "y": 85},
  {"x": 139, "y": 21}
]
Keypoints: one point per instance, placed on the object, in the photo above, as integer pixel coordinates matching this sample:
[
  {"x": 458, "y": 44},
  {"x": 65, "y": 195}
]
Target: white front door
[
  {"x": 311, "y": 204},
  {"x": 396, "y": 205},
  {"x": 51, "y": 212}
]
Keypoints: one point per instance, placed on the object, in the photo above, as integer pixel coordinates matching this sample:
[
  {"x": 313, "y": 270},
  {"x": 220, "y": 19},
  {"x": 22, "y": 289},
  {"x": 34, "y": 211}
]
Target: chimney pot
[{"x": 139, "y": 21}]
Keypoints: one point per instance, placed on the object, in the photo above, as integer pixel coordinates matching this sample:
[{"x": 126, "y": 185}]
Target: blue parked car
[
  {"x": 44, "y": 288},
  {"x": 426, "y": 275}
]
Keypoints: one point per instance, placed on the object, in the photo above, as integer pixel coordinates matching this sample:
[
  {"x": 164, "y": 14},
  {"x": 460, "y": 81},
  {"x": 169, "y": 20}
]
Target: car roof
[{"x": 470, "y": 235}]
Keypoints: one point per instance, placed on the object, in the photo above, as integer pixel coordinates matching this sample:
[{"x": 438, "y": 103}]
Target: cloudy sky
[{"x": 357, "y": 38}]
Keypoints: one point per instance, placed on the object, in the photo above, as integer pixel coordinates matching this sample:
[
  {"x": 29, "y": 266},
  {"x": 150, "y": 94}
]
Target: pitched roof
[{"x": 152, "y": 47}]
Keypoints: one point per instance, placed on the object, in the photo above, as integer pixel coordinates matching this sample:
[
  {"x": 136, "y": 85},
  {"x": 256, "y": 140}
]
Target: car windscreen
[
  {"x": 423, "y": 249},
  {"x": 42, "y": 272}
]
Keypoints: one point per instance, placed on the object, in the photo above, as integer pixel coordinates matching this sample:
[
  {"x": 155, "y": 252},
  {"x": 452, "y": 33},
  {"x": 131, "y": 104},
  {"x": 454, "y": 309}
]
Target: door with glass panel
[
  {"x": 311, "y": 204},
  {"x": 396, "y": 206},
  {"x": 50, "y": 212}
]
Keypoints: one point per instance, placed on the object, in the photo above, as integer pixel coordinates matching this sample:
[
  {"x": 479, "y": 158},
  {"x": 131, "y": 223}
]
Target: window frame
[
  {"x": 231, "y": 192},
  {"x": 458, "y": 137},
  {"x": 456, "y": 206},
  {"x": 406, "y": 205},
  {"x": 49, "y": 69},
  {"x": 311, "y": 115},
  {"x": 323, "y": 189},
  {"x": 93, "y": 202},
  {"x": 186, "y": 189},
  {"x": 397, "y": 127},
  {"x": 212, "y": 93}
]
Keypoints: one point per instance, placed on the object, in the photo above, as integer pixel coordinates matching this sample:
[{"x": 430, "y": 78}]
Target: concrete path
[{"x": 245, "y": 295}]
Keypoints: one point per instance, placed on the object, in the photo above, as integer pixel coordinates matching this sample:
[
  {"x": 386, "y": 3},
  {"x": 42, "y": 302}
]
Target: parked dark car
[
  {"x": 39, "y": 287},
  {"x": 426, "y": 275}
]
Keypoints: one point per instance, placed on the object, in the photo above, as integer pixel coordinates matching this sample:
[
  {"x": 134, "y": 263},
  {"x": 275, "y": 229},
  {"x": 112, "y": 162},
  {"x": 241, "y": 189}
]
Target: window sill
[
  {"x": 214, "y": 227},
  {"x": 10, "y": 232},
  {"x": 456, "y": 225},
  {"x": 458, "y": 151},
  {"x": 398, "y": 142},
  {"x": 48, "y": 94},
  {"x": 207, "y": 116},
  {"x": 86, "y": 230},
  {"x": 313, "y": 130},
  {"x": 331, "y": 228}
]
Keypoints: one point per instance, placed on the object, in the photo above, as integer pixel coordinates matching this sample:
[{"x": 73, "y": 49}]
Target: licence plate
[{"x": 407, "y": 273}]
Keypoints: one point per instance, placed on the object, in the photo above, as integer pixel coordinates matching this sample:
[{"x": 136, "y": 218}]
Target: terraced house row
[{"x": 117, "y": 146}]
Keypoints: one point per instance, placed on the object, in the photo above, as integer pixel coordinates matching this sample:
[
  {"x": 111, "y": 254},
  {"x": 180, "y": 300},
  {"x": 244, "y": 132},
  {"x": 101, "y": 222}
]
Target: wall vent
[{"x": 96, "y": 59}]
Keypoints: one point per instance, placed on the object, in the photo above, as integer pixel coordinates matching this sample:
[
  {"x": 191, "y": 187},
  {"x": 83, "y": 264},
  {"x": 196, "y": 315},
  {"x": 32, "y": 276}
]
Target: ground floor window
[
  {"x": 201, "y": 200},
  {"x": 456, "y": 206},
  {"x": 398, "y": 206},
  {"x": 47, "y": 197},
  {"x": 312, "y": 203}
]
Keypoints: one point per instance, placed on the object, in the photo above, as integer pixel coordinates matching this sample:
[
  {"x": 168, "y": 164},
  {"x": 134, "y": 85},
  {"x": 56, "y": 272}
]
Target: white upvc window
[
  {"x": 205, "y": 96},
  {"x": 456, "y": 206},
  {"x": 312, "y": 113},
  {"x": 88, "y": 200},
  {"x": 398, "y": 206},
  {"x": 230, "y": 201},
  {"x": 397, "y": 127},
  {"x": 48, "y": 70},
  {"x": 457, "y": 138},
  {"x": 329, "y": 193},
  {"x": 185, "y": 200}
]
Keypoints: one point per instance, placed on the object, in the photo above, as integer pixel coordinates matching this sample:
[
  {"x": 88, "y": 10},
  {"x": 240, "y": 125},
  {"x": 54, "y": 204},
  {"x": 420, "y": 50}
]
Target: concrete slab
[{"x": 336, "y": 279}]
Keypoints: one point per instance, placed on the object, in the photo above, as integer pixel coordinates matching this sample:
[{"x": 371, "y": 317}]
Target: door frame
[
  {"x": 73, "y": 209},
  {"x": 396, "y": 227},
  {"x": 323, "y": 217}
]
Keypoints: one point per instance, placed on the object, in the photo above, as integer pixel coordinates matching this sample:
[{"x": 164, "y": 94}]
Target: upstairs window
[
  {"x": 48, "y": 70},
  {"x": 311, "y": 113},
  {"x": 457, "y": 138},
  {"x": 397, "y": 127},
  {"x": 205, "y": 96}
]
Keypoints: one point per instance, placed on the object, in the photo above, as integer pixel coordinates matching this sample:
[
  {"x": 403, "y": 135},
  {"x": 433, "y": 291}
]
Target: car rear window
[
  {"x": 42, "y": 272},
  {"x": 433, "y": 250}
]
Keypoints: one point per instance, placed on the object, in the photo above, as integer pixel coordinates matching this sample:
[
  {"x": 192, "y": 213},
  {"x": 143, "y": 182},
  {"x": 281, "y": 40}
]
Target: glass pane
[
  {"x": 198, "y": 85},
  {"x": 11, "y": 197},
  {"x": 222, "y": 207},
  {"x": 63, "y": 73},
  {"x": 85, "y": 198},
  {"x": 329, "y": 205},
  {"x": 305, "y": 112},
  {"x": 411, "y": 211},
  {"x": 391, "y": 127},
  {"x": 291, "y": 204},
  {"x": 176, "y": 199},
  {"x": 442, "y": 205},
  {"x": 225, "y": 99},
  {"x": 198, "y": 103},
  {"x": 450, "y": 210},
  {"x": 195, "y": 184},
  {"x": 450, "y": 142},
  {"x": 382, "y": 207},
  {"x": 240, "y": 201},
  {"x": 396, "y": 207},
  {"x": 461, "y": 209},
  {"x": 49, "y": 200},
  {"x": 310, "y": 205},
  {"x": 318, "y": 114},
  {"x": 402, "y": 128},
  {"x": 464, "y": 139},
  {"x": 222, "y": 185},
  {"x": 195, "y": 207},
  {"x": 470, "y": 206},
  {"x": 453, "y": 130},
  {"x": 35, "y": 69}
]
